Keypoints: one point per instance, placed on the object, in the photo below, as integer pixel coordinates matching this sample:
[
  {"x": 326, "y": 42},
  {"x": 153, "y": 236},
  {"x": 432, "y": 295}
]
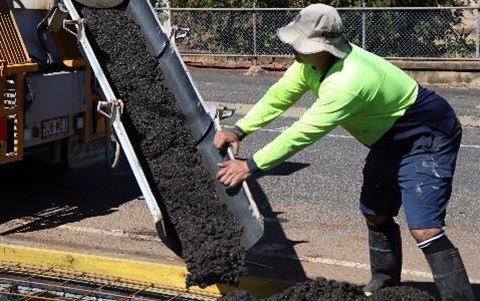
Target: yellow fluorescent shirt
[{"x": 363, "y": 93}]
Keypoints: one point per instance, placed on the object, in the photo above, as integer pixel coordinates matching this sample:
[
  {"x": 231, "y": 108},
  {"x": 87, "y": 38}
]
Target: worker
[{"x": 413, "y": 135}]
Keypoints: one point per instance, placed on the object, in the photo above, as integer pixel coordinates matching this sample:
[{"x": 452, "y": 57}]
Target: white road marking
[
  {"x": 114, "y": 233},
  {"x": 296, "y": 112},
  {"x": 356, "y": 265},
  {"x": 340, "y": 136},
  {"x": 327, "y": 261},
  {"x": 469, "y": 146},
  {"x": 281, "y": 129},
  {"x": 299, "y": 111},
  {"x": 363, "y": 266}
]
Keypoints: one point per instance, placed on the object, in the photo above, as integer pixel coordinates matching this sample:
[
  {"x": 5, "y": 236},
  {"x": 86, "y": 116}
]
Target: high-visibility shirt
[{"x": 363, "y": 93}]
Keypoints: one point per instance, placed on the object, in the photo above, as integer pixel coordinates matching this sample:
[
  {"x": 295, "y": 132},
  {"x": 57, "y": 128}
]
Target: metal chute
[
  {"x": 199, "y": 118},
  {"x": 100, "y": 3}
]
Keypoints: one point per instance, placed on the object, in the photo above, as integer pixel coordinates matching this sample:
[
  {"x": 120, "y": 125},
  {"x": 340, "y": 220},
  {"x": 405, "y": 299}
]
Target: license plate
[{"x": 55, "y": 127}]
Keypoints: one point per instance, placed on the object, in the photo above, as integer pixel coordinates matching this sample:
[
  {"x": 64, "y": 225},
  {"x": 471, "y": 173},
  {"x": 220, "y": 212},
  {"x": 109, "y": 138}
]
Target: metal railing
[{"x": 401, "y": 32}]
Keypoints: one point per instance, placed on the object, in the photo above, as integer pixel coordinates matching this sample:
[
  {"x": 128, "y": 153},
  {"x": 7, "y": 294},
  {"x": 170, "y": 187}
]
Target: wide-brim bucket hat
[{"x": 317, "y": 28}]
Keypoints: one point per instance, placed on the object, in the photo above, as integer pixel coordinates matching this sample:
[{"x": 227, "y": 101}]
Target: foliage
[
  {"x": 404, "y": 33},
  {"x": 457, "y": 43},
  {"x": 388, "y": 33},
  {"x": 303, "y": 3}
]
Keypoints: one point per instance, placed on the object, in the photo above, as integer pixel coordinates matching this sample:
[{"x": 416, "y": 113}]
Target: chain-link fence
[{"x": 451, "y": 32}]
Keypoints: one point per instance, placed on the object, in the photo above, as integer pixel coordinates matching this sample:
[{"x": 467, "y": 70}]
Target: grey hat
[{"x": 317, "y": 28}]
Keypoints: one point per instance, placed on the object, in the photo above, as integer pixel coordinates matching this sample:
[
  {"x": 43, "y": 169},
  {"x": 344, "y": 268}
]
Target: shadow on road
[
  {"x": 43, "y": 198},
  {"x": 284, "y": 169},
  {"x": 274, "y": 255}
]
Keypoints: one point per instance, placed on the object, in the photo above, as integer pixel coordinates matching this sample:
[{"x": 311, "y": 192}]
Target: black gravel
[
  {"x": 208, "y": 234},
  {"x": 401, "y": 293},
  {"x": 322, "y": 289}
]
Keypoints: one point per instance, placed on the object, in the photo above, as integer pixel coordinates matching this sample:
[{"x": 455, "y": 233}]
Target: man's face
[
  {"x": 304, "y": 58},
  {"x": 314, "y": 59}
]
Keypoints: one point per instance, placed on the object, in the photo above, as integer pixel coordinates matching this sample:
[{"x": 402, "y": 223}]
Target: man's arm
[
  {"x": 330, "y": 109},
  {"x": 277, "y": 100}
]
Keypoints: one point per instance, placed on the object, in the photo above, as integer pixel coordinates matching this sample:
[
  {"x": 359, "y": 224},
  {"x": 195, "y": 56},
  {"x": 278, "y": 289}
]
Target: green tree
[
  {"x": 303, "y": 3},
  {"x": 388, "y": 33}
]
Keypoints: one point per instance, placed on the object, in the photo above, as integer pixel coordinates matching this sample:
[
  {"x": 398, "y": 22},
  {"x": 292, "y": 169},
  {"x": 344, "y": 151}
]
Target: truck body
[{"x": 47, "y": 96}]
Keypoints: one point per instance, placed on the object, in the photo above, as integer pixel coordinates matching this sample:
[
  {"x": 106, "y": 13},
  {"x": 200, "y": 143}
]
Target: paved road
[{"x": 313, "y": 227}]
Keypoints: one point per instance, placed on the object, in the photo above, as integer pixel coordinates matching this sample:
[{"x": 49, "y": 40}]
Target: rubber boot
[
  {"x": 450, "y": 276},
  {"x": 385, "y": 259}
]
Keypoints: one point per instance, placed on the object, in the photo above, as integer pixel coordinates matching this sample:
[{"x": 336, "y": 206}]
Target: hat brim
[{"x": 339, "y": 47}]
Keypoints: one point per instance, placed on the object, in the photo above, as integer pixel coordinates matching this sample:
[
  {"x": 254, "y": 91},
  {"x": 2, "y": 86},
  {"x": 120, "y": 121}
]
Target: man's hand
[
  {"x": 233, "y": 172},
  {"x": 223, "y": 138}
]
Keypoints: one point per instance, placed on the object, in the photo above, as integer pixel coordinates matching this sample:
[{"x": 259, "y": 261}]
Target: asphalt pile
[
  {"x": 209, "y": 235},
  {"x": 321, "y": 289},
  {"x": 401, "y": 293}
]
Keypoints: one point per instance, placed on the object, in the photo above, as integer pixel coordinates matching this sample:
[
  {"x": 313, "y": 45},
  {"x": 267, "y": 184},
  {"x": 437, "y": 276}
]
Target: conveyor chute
[{"x": 200, "y": 118}]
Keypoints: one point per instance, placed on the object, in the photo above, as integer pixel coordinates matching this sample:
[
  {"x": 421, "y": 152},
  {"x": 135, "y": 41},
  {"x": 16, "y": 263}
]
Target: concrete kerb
[
  {"x": 165, "y": 275},
  {"x": 453, "y": 73},
  {"x": 438, "y": 72}
]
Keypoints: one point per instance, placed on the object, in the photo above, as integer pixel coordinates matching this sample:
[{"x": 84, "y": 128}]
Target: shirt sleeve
[
  {"x": 277, "y": 100},
  {"x": 329, "y": 110}
]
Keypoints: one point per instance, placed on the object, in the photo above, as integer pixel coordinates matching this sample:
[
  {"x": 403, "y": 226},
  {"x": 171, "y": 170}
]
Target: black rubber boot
[
  {"x": 450, "y": 276},
  {"x": 385, "y": 259}
]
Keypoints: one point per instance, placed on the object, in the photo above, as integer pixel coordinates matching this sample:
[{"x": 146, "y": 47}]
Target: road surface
[{"x": 310, "y": 203}]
